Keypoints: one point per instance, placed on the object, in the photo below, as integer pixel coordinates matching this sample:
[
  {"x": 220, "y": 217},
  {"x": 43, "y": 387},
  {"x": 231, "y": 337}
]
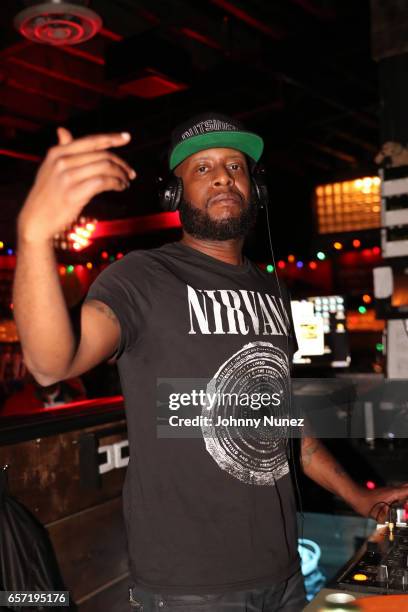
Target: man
[{"x": 211, "y": 520}]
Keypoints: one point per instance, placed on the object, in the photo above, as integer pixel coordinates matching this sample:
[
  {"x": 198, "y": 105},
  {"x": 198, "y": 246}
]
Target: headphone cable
[{"x": 291, "y": 446}]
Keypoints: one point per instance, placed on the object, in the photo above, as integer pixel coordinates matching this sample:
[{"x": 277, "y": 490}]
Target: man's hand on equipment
[
  {"x": 320, "y": 465},
  {"x": 375, "y": 503},
  {"x": 73, "y": 172}
]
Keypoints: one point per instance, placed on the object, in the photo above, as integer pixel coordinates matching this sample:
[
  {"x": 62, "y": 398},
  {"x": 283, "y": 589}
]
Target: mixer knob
[{"x": 382, "y": 573}]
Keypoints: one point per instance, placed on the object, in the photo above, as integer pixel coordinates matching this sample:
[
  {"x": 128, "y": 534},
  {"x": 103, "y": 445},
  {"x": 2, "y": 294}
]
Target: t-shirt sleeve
[{"x": 117, "y": 287}]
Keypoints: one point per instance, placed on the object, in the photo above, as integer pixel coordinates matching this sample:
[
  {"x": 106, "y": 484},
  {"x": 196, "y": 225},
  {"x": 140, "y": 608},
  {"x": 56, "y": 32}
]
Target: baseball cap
[{"x": 211, "y": 130}]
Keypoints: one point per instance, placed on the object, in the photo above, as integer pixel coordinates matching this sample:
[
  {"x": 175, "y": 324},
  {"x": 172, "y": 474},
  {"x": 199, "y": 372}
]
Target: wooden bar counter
[{"x": 67, "y": 465}]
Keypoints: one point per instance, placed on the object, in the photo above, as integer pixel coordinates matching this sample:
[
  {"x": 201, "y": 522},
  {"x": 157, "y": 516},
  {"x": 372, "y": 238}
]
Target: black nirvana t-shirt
[{"x": 213, "y": 512}]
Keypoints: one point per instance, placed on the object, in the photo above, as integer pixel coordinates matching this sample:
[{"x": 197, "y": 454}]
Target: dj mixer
[{"x": 381, "y": 564}]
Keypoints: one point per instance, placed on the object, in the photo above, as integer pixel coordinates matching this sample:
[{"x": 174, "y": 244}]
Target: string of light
[
  {"x": 291, "y": 259},
  {"x": 321, "y": 256}
]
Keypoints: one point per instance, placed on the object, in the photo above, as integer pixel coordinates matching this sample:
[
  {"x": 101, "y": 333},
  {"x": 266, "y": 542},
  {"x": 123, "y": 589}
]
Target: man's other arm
[{"x": 320, "y": 465}]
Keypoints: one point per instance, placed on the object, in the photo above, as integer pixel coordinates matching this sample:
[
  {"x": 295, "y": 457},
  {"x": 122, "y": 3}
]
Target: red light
[
  {"x": 20, "y": 155},
  {"x": 356, "y": 243},
  {"x": 152, "y": 86},
  {"x": 62, "y": 270},
  {"x": 376, "y": 250},
  {"x": 312, "y": 265},
  {"x": 371, "y": 485},
  {"x": 206, "y": 40},
  {"x": 281, "y": 264},
  {"x": 119, "y": 256},
  {"x": 104, "y": 255},
  {"x": 366, "y": 252},
  {"x": 113, "y": 35}
]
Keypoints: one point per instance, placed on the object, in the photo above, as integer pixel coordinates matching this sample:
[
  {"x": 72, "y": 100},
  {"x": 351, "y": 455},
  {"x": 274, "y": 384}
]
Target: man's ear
[{"x": 178, "y": 170}]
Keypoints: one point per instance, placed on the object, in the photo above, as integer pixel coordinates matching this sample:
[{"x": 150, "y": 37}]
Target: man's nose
[{"x": 222, "y": 178}]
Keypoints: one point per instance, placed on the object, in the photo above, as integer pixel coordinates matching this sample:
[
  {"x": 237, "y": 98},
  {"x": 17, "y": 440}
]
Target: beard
[{"x": 199, "y": 224}]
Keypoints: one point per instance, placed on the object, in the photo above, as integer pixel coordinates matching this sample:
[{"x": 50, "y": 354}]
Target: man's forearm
[
  {"x": 40, "y": 311},
  {"x": 320, "y": 465}
]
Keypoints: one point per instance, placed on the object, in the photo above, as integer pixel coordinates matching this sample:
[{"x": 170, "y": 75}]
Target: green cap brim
[{"x": 246, "y": 142}]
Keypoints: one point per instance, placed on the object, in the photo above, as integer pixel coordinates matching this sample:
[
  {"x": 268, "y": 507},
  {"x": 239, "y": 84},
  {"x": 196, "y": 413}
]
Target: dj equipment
[
  {"x": 171, "y": 190},
  {"x": 380, "y": 565}
]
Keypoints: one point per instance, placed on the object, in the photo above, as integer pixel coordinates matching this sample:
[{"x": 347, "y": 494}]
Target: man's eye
[
  {"x": 235, "y": 166},
  {"x": 201, "y": 169}
]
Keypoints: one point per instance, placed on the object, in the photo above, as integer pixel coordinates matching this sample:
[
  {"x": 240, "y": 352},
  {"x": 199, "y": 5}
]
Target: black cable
[
  {"x": 377, "y": 504},
  {"x": 291, "y": 449}
]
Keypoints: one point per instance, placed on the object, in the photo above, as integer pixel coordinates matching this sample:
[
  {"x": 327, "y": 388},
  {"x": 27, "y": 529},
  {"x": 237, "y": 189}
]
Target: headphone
[{"x": 171, "y": 189}]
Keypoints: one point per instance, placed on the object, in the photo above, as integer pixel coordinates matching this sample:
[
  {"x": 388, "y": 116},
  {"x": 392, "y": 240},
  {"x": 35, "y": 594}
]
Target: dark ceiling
[{"x": 297, "y": 71}]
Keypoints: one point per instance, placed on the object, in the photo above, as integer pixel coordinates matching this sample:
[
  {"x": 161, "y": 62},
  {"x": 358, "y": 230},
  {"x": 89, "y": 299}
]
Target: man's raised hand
[{"x": 73, "y": 172}]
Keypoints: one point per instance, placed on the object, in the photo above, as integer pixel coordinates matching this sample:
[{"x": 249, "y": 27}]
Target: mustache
[{"x": 230, "y": 195}]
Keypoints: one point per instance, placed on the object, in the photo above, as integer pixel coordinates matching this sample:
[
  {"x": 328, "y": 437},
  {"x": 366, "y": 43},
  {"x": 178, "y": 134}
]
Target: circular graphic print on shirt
[{"x": 253, "y": 454}]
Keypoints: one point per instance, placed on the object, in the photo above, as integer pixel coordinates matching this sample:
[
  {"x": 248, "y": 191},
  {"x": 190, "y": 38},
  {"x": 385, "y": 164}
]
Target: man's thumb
[{"x": 64, "y": 136}]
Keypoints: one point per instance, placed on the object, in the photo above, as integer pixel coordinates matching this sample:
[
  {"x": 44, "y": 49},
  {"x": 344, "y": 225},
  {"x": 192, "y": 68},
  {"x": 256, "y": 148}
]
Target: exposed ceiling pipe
[
  {"x": 20, "y": 155},
  {"x": 364, "y": 118},
  {"x": 310, "y": 6},
  {"x": 101, "y": 89},
  {"x": 201, "y": 38},
  {"x": 345, "y": 157},
  {"x": 55, "y": 97},
  {"x": 363, "y": 144},
  {"x": 14, "y": 49},
  {"x": 111, "y": 35},
  {"x": 19, "y": 123},
  {"x": 277, "y": 33},
  {"x": 89, "y": 57}
]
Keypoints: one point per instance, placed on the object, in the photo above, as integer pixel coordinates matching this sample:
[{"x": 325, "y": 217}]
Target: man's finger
[
  {"x": 67, "y": 162},
  {"x": 103, "y": 168},
  {"x": 86, "y": 190},
  {"x": 397, "y": 495},
  {"x": 97, "y": 142},
  {"x": 64, "y": 136},
  {"x": 402, "y": 493}
]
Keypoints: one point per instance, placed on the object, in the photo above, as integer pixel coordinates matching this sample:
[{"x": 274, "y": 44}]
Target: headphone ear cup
[
  {"x": 178, "y": 193},
  {"x": 170, "y": 193},
  {"x": 255, "y": 193},
  {"x": 259, "y": 187}
]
